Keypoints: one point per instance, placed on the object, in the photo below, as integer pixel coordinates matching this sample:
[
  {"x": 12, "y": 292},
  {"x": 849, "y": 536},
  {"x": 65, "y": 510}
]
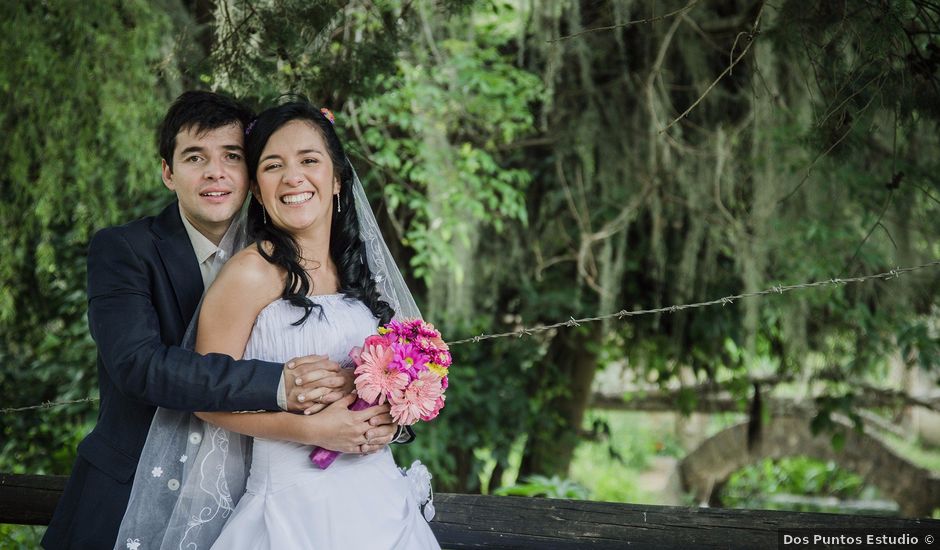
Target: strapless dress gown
[{"x": 359, "y": 502}]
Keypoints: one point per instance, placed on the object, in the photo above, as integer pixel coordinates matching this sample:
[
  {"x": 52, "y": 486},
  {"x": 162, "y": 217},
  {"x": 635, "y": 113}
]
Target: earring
[
  {"x": 339, "y": 207},
  {"x": 264, "y": 216}
]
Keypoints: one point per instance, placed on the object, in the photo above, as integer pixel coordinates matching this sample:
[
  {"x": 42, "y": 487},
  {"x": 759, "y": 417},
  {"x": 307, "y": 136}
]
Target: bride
[{"x": 317, "y": 280}]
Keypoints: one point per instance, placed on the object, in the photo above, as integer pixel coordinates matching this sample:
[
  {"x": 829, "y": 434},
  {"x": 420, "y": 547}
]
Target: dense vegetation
[{"x": 530, "y": 162}]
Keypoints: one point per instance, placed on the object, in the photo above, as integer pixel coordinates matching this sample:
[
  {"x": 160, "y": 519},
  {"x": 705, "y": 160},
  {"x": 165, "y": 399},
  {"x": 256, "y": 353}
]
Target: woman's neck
[
  {"x": 315, "y": 259},
  {"x": 314, "y": 251}
]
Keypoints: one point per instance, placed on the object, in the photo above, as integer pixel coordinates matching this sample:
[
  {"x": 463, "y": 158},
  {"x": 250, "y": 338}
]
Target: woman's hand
[
  {"x": 339, "y": 429},
  {"x": 380, "y": 434}
]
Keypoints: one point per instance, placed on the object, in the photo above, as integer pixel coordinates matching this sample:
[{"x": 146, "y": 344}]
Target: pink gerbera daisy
[
  {"x": 432, "y": 414},
  {"x": 420, "y": 399},
  {"x": 375, "y": 381}
]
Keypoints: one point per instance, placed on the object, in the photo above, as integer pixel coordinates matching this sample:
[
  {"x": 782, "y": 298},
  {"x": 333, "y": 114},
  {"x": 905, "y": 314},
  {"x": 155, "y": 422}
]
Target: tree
[
  {"x": 681, "y": 152},
  {"x": 647, "y": 203},
  {"x": 529, "y": 162},
  {"x": 83, "y": 86}
]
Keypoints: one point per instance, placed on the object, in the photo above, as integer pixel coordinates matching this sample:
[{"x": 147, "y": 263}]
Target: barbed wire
[
  {"x": 47, "y": 405},
  {"x": 778, "y": 289},
  {"x": 620, "y": 315},
  {"x": 679, "y": 11}
]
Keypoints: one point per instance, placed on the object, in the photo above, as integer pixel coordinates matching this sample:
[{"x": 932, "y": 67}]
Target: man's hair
[{"x": 199, "y": 111}]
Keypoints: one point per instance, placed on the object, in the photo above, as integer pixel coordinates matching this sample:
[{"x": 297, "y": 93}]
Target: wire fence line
[
  {"x": 778, "y": 289},
  {"x": 619, "y": 315},
  {"x": 47, "y": 405}
]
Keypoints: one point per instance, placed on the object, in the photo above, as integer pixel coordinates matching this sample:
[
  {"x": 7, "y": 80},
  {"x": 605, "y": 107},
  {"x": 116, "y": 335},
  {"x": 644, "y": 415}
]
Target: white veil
[{"x": 191, "y": 474}]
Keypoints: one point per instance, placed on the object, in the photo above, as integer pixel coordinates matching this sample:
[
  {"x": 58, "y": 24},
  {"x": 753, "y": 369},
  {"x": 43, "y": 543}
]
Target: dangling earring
[
  {"x": 339, "y": 207},
  {"x": 264, "y": 216}
]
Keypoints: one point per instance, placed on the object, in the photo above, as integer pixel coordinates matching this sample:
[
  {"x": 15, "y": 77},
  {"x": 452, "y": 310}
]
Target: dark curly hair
[{"x": 347, "y": 250}]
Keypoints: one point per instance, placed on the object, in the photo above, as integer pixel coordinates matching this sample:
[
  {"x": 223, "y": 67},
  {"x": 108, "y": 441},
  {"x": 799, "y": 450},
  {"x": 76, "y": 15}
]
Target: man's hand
[{"x": 313, "y": 382}]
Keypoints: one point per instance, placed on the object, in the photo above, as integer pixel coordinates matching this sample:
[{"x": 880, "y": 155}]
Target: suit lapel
[{"x": 179, "y": 260}]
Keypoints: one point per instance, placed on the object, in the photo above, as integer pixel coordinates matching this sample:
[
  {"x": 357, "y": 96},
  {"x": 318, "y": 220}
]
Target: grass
[{"x": 617, "y": 467}]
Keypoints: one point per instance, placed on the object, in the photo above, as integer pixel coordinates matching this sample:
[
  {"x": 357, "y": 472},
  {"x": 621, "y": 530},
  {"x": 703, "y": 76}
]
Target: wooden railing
[{"x": 474, "y": 521}]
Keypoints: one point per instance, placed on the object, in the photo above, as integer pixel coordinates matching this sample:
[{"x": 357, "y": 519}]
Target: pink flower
[
  {"x": 444, "y": 383},
  {"x": 439, "y": 343},
  {"x": 432, "y": 414},
  {"x": 375, "y": 381},
  {"x": 376, "y": 340},
  {"x": 418, "y": 400}
]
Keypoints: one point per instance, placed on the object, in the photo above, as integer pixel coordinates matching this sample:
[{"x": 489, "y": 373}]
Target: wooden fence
[{"x": 474, "y": 521}]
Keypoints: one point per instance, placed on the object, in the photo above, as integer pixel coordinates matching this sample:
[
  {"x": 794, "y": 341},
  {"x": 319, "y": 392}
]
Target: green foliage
[
  {"x": 523, "y": 180},
  {"x": 542, "y": 486},
  {"x": 612, "y": 467},
  {"x": 79, "y": 114},
  {"x": 433, "y": 136},
  {"x": 254, "y": 56},
  {"x": 328, "y": 51},
  {"x": 20, "y": 537},
  {"x": 793, "y": 476}
]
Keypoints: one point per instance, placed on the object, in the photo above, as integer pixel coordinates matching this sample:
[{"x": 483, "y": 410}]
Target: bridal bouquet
[{"x": 406, "y": 364}]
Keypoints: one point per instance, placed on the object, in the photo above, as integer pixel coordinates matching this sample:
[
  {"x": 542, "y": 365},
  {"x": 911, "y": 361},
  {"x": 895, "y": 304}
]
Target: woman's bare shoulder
[{"x": 250, "y": 277}]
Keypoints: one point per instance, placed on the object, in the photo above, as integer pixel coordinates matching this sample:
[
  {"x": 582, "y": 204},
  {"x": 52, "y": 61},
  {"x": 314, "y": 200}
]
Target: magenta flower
[
  {"x": 402, "y": 331},
  {"x": 424, "y": 344},
  {"x": 408, "y": 359},
  {"x": 427, "y": 330}
]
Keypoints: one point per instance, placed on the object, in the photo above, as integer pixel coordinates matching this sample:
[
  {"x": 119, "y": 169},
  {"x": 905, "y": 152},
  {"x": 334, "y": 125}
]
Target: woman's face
[{"x": 296, "y": 180}]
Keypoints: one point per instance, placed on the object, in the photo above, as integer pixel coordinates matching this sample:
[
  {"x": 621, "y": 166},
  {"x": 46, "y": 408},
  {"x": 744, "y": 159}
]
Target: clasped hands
[{"x": 315, "y": 384}]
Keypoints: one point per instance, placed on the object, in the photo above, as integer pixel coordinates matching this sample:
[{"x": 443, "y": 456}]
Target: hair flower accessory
[
  {"x": 329, "y": 115},
  {"x": 250, "y": 126}
]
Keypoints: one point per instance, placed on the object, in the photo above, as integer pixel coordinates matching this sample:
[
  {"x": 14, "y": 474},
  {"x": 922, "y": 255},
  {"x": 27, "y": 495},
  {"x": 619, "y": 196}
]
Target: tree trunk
[{"x": 566, "y": 384}]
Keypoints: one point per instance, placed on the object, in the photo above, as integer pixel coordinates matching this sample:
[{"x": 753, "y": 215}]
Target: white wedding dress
[{"x": 358, "y": 502}]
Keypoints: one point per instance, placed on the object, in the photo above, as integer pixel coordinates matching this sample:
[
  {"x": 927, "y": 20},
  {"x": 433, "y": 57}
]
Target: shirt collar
[{"x": 201, "y": 244}]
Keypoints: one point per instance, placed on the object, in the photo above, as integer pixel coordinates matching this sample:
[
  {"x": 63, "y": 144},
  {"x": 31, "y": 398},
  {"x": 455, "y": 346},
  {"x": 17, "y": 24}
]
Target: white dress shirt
[{"x": 205, "y": 251}]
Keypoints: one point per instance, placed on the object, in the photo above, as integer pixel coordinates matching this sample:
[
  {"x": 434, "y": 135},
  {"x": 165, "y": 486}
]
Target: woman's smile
[
  {"x": 296, "y": 180},
  {"x": 297, "y": 198}
]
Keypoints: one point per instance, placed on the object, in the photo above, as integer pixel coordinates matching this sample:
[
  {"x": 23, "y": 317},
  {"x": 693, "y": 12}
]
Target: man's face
[{"x": 209, "y": 177}]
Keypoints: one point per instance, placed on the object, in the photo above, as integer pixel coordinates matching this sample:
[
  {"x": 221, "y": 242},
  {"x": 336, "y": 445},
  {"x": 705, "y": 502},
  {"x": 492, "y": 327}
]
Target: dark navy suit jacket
[{"x": 144, "y": 286}]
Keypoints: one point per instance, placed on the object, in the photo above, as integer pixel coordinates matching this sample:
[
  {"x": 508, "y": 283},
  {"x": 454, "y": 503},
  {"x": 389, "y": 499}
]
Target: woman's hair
[{"x": 346, "y": 247}]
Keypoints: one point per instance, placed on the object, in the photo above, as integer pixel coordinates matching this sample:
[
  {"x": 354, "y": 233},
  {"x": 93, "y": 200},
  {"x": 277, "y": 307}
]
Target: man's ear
[{"x": 167, "y": 174}]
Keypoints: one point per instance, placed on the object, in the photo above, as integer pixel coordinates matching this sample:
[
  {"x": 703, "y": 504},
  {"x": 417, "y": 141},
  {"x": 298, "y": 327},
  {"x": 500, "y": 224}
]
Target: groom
[{"x": 145, "y": 280}]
